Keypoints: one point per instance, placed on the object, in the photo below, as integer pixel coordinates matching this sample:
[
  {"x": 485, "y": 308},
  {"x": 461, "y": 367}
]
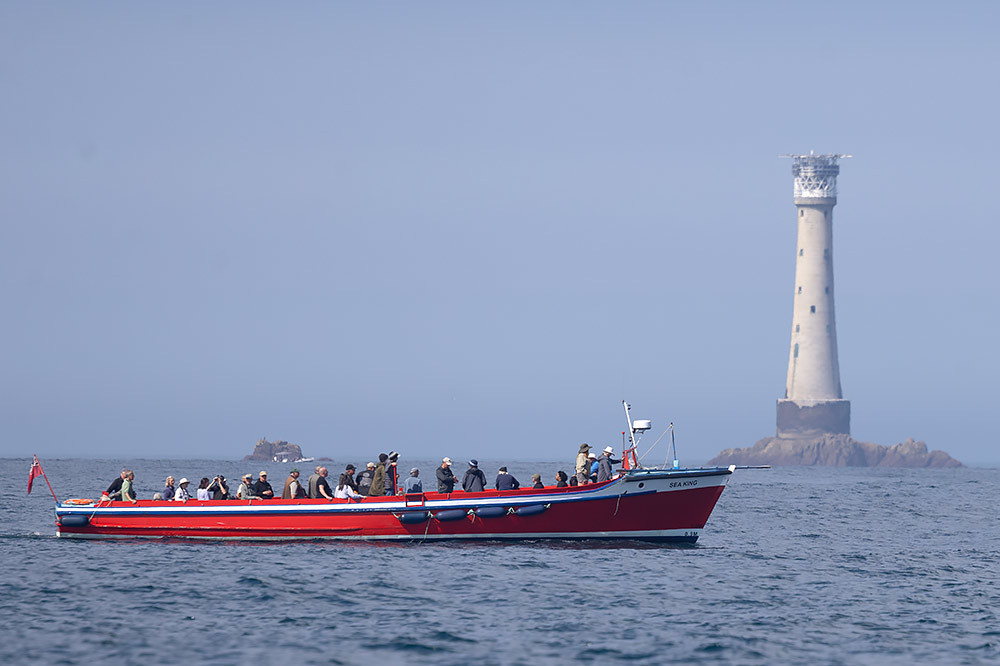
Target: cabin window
[{"x": 812, "y": 308}]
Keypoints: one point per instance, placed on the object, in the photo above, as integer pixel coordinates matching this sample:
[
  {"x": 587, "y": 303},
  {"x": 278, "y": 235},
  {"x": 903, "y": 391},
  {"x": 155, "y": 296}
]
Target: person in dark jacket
[
  {"x": 218, "y": 488},
  {"x": 263, "y": 489},
  {"x": 391, "y": 474},
  {"x": 114, "y": 491},
  {"x": 536, "y": 481},
  {"x": 169, "y": 489},
  {"x": 604, "y": 463},
  {"x": 347, "y": 478},
  {"x": 506, "y": 480},
  {"x": 445, "y": 477},
  {"x": 561, "y": 478},
  {"x": 364, "y": 479},
  {"x": 474, "y": 480},
  {"x": 378, "y": 481}
]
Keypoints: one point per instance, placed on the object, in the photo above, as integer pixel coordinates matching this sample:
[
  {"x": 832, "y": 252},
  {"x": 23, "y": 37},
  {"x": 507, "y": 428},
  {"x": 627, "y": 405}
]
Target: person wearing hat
[
  {"x": 182, "y": 494},
  {"x": 293, "y": 489},
  {"x": 413, "y": 484},
  {"x": 262, "y": 488},
  {"x": 378, "y": 481},
  {"x": 445, "y": 477},
  {"x": 347, "y": 478},
  {"x": 474, "y": 480},
  {"x": 536, "y": 481},
  {"x": 364, "y": 479},
  {"x": 391, "y": 474},
  {"x": 506, "y": 481},
  {"x": 583, "y": 465},
  {"x": 592, "y": 459},
  {"x": 245, "y": 491},
  {"x": 604, "y": 463}
]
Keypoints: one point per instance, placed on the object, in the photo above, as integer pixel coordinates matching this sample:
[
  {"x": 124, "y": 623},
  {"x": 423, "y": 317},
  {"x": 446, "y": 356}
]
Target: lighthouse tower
[{"x": 814, "y": 402}]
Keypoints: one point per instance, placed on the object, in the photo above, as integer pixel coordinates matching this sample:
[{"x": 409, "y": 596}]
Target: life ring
[{"x": 78, "y": 501}]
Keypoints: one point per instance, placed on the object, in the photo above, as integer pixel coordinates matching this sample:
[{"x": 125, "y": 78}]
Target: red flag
[{"x": 35, "y": 471}]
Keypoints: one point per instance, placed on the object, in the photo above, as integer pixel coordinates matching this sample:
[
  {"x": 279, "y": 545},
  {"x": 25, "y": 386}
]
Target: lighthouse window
[
  {"x": 796, "y": 328},
  {"x": 812, "y": 308},
  {"x": 796, "y": 352},
  {"x": 800, "y": 290},
  {"x": 827, "y": 289},
  {"x": 827, "y": 328},
  {"x": 826, "y": 253},
  {"x": 800, "y": 252},
  {"x": 802, "y": 213}
]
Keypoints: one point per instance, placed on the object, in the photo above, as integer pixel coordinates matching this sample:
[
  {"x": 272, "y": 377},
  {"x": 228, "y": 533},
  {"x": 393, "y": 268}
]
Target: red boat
[
  {"x": 667, "y": 505},
  {"x": 670, "y": 505}
]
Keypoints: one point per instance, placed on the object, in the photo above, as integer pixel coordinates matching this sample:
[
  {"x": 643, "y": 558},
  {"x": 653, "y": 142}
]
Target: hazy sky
[{"x": 472, "y": 229}]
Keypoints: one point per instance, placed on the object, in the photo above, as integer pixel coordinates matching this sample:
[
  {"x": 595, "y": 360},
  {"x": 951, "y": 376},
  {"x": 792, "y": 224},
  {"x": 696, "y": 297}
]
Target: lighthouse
[{"x": 814, "y": 401}]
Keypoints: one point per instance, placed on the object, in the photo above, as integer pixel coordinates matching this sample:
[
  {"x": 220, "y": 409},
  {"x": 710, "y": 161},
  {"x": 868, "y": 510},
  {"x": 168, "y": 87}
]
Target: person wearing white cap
[
  {"x": 182, "y": 494},
  {"x": 445, "y": 477},
  {"x": 604, "y": 463},
  {"x": 261, "y": 488}
]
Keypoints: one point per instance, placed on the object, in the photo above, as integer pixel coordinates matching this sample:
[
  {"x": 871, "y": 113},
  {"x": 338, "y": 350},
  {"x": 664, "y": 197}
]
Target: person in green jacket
[
  {"x": 128, "y": 492},
  {"x": 378, "y": 482}
]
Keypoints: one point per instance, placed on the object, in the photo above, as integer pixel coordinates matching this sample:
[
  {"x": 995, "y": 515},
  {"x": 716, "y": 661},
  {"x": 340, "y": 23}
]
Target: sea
[{"x": 797, "y": 565}]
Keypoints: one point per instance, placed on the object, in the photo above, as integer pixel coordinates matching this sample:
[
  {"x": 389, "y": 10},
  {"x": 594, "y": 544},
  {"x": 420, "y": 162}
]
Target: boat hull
[{"x": 656, "y": 505}]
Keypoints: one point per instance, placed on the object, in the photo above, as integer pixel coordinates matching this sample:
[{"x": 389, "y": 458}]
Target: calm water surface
[{"x": 796, "y": 565}]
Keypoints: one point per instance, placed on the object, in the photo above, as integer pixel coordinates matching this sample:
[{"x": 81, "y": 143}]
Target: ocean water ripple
[{"x": 819, "y": 566}]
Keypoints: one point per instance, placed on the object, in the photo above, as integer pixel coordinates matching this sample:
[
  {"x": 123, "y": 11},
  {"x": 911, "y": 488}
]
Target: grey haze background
[{"x": 472, "y": 229}]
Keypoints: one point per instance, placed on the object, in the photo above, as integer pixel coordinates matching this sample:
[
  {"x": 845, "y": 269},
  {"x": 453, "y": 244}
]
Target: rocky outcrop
[
  {"x": 834, "y": 451},
  {"x": 268, "y": 451}
]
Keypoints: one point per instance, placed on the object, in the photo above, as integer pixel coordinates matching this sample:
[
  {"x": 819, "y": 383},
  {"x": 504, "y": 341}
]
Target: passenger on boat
[
  {"x": 474, "y": 480},
  {"x": 561, "y": 479},
  {"x": 378, "y": 481},
  {"x": 604, "y": 463},
  {"x": 312, "y": 482},
  {"x": 218, "y": 488},
  {"x": 293, "y": 489},
  {"x": 537, "y": 479},
  {"x": 345, "y": 491},
  {"x": 445, "y": 477},
  {"x": 245, "y": 491},
  {"x": 573, "y": 481},
  {"x": 413, "y": 484},
  {"x": 593, "y": 467},
  {"x": 203, "y": 494},
  {"x": 182, "y": 494},
  {"x": 262, "y": 488},
  {"x": 506, "y": 481},
  {"x": 347, "y": 478},
  {"x": 128, "y": 492},
  {"x": 365, "y": 479},
  {"x": 168, "y": 489},
  {"x": 114, "y": 491},
  {"x": 583, "y": 465},
  {"x": 323, "y": 489},
  {"x": 391, "y": 474}
]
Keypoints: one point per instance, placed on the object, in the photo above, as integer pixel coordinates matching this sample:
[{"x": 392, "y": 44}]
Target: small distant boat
[
  {"x": 664, "y": 505},
  {"x": 303, "y": 460}
]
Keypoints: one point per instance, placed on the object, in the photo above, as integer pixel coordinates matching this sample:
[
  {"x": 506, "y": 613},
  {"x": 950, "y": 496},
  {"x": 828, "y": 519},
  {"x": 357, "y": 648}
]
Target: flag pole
[{"x": 47, "y": 481}]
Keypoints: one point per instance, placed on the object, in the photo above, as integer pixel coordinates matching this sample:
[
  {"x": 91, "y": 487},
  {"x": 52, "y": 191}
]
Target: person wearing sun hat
[
  {"x": 604, "y": 463},
  {"x": 474, "y": 480},
  {"x": 245, "y": 491},
  {"x": 445, "y": 477},
  {"x": 182, "y": 494},
  {"x": 583, "y": 465}
]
